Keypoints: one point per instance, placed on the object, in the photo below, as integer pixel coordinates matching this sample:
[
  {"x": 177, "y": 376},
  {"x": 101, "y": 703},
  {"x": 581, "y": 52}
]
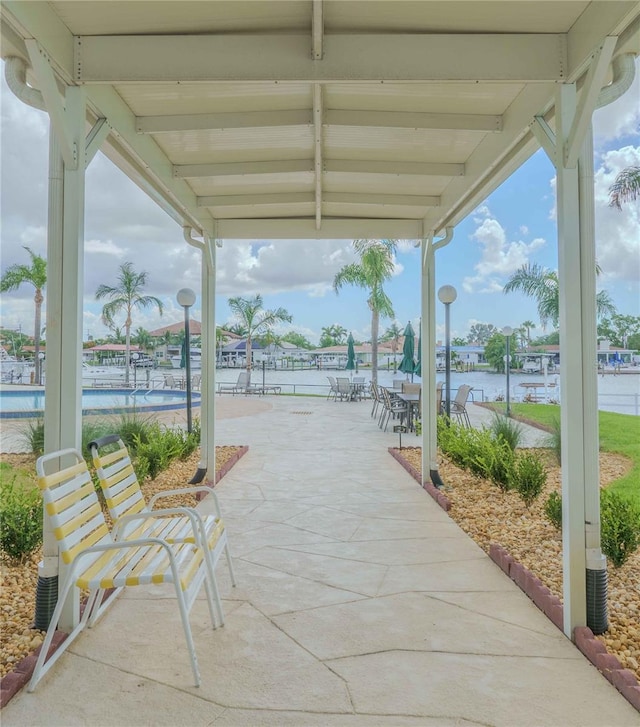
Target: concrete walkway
[{"x": 359, "y": 603}]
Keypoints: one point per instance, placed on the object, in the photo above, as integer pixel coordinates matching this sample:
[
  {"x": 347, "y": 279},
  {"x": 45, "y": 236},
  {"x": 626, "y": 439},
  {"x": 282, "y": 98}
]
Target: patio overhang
[{"x": 326, "y": 119}]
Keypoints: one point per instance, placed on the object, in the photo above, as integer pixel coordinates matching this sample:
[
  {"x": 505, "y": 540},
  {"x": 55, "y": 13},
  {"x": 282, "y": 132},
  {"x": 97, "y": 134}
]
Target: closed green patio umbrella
[
  {"x": 351, "y": 354},
  {"x": 407, "y": 365},
  {"x": 418, "y": 368}
]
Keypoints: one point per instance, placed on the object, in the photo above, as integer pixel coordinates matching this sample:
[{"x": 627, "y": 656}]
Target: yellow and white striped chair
[
  {"x": 128, "y": 508},
  {"x": 98, "y": 559}
]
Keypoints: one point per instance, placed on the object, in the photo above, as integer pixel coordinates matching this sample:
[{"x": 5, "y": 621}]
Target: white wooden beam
[
  {"x": 243, "y": 169},
  {"x": 317, "y": 30},
  {"x": 317, "y": 140},
  {"x": 591, "y": 88},
  {"x": 333, "y": 228},
  {"x": 256, "y": 200},
  {"x": 423, "y": 169},
  {"x": 53, "y": 101},
  {"x": 413, "y": 120},
  {"x": 347, "y": 57},
  {"x": 95, "y": 138},
  {"x": 223, "y": 121},
  {"x": 381, "y": 200},
  {"x": 545, "y": 136},
  {"x": 346, "y": 166}
]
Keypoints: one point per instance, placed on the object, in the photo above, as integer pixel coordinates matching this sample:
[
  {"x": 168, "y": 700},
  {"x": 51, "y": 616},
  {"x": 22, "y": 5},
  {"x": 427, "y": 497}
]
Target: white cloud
[
  {"x": 622, "y": 117},
  {"x": 499, "y": 257},
  {"x": 617, "y": 237}
]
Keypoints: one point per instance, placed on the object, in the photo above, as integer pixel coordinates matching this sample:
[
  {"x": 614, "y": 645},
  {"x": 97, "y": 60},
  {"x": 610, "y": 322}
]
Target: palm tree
[
  {"x": 542, "y": 284},
  {"x": 625, "y": 188},
  {"x": 527, "y": 326},
  {"x": 126, "y": 296},
  {"x": 36, "y": 275},
  {"x": 375, "y": 267},
  {"x": 255, "y": 319},
  {"x": 393, "y": 334}
]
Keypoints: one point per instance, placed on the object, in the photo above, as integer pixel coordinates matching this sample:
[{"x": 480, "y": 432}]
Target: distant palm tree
[
  {"x": 542, "y": 284},
  {"x": 375, "y": 267},
  {"x": 126, "y": 296},
  {"x": 527, "y": 326},
  {"x": 36, "y": 275},
  {"x": 625, "y": 188},
  {"x": 392, "y": 334},
  {"x": 255, "y": 319}
]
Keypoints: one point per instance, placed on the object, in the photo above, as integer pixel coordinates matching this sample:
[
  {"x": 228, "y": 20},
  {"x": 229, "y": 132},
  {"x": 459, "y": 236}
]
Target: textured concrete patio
[{"x": 359, "y": 603}]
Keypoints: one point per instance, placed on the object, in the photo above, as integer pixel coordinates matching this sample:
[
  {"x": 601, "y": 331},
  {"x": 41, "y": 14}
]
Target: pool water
[{"x": 14, "y": 404}]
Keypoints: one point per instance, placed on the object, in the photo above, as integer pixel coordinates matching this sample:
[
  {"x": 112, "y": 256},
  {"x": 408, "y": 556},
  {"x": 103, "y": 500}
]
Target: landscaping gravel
[{"x": 489, "y": 515}]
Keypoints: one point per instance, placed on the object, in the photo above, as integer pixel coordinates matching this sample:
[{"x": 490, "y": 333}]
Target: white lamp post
[
  {"x": 507, "y": 331},
  {"x": 186, "y": 298},
  {"x": 41, "y": 359},
  {"x": 447, "y": 295},
  {"x": 134, "y": 357}
]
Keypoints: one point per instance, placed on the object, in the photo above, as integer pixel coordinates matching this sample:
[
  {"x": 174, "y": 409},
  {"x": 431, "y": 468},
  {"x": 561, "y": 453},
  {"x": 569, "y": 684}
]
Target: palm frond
[{"x": 625, "y": 188}]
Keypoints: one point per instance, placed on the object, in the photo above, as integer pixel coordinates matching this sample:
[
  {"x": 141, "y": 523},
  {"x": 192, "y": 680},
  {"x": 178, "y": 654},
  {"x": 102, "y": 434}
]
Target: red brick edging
[
  {"x": 14, "y": 681},
  {"x": 624, "y": 680}
]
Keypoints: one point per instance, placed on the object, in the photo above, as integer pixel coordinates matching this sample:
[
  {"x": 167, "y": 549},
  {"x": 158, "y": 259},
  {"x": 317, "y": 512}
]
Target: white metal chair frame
[
  {"x": 99, "y": 560},
  {"x": 392, "y": 407},
  {"x": 130, "y": 512},
  {"x": 333, "y": 388},
  {"x": 459, "y": 405}
]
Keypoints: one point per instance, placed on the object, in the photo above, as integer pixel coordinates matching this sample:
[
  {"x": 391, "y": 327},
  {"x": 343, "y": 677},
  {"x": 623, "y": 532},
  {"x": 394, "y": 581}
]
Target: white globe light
[
  {"x": 447, "y": 294},
  {"x": 507, "y": 330},
  {"x": 186, "y": 297}
]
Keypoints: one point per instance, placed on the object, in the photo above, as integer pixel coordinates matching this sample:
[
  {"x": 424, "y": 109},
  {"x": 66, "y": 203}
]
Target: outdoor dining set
[{"x": 402, "y": 401}]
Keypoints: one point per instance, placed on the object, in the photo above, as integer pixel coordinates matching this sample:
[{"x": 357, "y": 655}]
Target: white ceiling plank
[
  {"x": 354, "y": 166},
  {"x": 395, "y": 200},
  {"x": 223, "y": 121},
  {"x": 254, "y": 200},
  {"x": 332, "y": 229},
  {"x": 243, "y": 169},
  {"x": 347, "y": 57},
  {"x": 404, "y": 120}
]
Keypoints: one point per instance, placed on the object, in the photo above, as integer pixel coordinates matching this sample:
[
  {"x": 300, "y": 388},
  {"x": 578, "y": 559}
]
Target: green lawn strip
[{"x": 619, "y": 433}]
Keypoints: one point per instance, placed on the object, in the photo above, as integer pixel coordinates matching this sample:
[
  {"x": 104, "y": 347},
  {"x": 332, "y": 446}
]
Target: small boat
[{"x": 196, "y": 359}]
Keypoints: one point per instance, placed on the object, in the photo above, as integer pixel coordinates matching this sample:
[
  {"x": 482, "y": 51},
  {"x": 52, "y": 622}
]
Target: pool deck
[{"x": 359, "y": 604}]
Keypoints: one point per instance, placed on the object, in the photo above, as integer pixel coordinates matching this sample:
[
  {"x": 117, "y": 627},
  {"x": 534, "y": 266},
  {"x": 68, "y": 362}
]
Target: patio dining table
[{"x": 413, "y": 401}]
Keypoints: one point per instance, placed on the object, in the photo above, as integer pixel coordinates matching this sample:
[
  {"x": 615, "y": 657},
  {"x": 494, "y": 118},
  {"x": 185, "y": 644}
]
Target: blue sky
[{"x": 515, "y": 225}]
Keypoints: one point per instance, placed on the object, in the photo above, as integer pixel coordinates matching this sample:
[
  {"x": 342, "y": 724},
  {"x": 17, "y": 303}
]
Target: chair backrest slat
[
  {"x": 118, "y": 480},
  {"x": 72, "y": 504}
]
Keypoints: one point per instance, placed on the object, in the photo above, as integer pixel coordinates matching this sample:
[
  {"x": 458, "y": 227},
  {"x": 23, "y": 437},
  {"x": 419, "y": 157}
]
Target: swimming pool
[{"x": 24, "y": 404}]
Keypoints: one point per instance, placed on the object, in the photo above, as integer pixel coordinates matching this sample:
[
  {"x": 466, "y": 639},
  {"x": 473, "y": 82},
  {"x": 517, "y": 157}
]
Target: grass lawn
[{"x": 618, "y": 433}]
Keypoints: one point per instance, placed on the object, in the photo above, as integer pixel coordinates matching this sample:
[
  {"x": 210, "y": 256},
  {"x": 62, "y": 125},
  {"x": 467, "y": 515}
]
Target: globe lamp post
[
  {"x": 447, "y": 295},
  {"x": 186, "y": 298},
  {"x": 507, "y": 332}
]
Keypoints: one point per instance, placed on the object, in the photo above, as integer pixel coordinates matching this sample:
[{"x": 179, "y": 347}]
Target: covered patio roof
[
  {"x": 329, "y": 119},
  {"x": 317, "y": 118}
]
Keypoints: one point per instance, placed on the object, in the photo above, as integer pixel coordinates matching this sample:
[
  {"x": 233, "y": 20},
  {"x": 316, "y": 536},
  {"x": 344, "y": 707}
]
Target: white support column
[
  {"x": 590, "y": 423},
  {"x": 572, "y": 371},
  {"x": 428, "y": 354},
  {"x": 65, "y": 268},
  {"x": 208, "y": 391}
]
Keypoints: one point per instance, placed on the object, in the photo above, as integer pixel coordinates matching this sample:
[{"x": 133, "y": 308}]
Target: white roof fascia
[{"x": 123, "y": 59}]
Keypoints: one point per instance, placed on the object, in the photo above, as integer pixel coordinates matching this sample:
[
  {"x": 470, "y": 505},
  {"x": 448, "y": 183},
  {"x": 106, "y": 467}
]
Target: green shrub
[
  {"x": 133, "y": 427},
  {"x": 553, "y": 509},
  {"x": 20, "y": 519},
  {"x": 501, "y": 464},
  {"x": 530, "y": 476},
  {"x": 155, "y": 448},
  {"x": 33, "y": 434},
  {"x": 620, "y": 527},
  {"x": 506, "y": 429},
  {"x": 554, "y": 439}
]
